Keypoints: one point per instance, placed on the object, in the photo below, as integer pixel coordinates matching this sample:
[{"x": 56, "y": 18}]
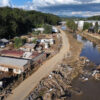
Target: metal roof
[{"x": 13, "y": 61}]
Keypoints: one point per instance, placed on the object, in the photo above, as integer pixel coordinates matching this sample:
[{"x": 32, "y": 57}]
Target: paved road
[{"x": 30, "y": 83}]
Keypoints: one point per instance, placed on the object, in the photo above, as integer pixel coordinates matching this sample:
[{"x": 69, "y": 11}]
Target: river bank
[
  {"x": 58, "y": 85},
  {"x": 88, "y": 82},
  {"x": 93, "y": 37}
]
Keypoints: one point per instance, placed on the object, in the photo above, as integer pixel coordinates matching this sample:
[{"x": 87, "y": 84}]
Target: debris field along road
[{"x": 23, "y": 90}]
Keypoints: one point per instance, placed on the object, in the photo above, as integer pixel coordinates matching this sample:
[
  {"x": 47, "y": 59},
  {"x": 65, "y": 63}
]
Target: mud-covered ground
[{"x": 58, "y": 86}]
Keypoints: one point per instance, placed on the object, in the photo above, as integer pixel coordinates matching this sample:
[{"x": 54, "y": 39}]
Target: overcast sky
[{"x": 58, "y": 7}]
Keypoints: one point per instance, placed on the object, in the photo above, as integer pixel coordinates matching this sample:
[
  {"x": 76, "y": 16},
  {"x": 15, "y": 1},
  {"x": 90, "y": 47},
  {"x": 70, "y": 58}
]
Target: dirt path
[{"x": 30, "y": 83}]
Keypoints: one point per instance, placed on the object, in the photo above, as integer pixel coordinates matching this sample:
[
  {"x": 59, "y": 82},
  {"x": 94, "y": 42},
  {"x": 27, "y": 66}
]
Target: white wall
[
  {"x": 17, "y": 71},
  {"x": 3, "y": 69},
  {"x": 81, "y": 23}
]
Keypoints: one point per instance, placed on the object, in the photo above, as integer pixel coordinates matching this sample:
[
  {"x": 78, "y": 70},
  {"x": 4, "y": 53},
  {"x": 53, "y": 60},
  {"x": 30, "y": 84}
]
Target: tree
[
  {"x": 96, "y": 27},
  {"x": 47, "y": 29},
  {"x": 87, "y": 25},
  {"x": 18, "y": 43},
  {"x": 16, "y": 22},
  {"x": 34, "y": 41},
  {"x": 71, "y": 24}
]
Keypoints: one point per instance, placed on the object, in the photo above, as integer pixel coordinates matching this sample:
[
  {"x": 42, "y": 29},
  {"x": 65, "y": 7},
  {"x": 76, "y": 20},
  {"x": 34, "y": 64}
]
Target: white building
[
  {"x": 39, "y": 29},
  {"x": 46, "y": 42},
  {"x": 50, "y": 41},
  {"x": 81, "y": 23}
]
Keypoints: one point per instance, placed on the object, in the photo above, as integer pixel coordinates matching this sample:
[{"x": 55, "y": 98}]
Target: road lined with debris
[{"x": 20, "y": 92}]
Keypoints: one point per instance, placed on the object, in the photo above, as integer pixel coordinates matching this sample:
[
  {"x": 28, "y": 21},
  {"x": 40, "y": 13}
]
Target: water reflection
[
  {"x": 89, "y": 50},
  {"x": 63, "y": 27}
]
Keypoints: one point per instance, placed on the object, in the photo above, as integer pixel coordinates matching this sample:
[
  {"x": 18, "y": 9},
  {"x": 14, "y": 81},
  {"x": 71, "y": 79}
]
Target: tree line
[
  {"x": 94, "y": 18},
  {"x": 15, "y": 22}
]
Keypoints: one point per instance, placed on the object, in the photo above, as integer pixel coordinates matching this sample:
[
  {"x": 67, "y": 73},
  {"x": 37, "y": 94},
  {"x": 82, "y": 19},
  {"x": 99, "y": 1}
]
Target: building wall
[
  {"x": 81, "y": 23},
  {"x": 17, "y": 71},
  {"x": 4, "y": 69},
  {"x": 39, "y": 59}
]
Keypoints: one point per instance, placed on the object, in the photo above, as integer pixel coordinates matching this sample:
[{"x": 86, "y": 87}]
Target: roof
[
  {"x": 34, "y": 54},
  {"x": 29, "y": 45},
  {"x": 13, "y": 61},
  {"x": 38, "y": 29},
  {"x": 4, "y": 40},
  {"x": 12, "y": 53}
]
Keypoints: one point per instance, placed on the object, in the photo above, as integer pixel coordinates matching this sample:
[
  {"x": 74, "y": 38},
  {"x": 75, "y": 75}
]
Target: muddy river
[{"x": 90, "y": 89}]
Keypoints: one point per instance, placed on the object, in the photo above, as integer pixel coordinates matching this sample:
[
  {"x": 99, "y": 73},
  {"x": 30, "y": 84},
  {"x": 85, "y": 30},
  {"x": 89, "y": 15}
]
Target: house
[
  {"x": 39, "y": 48},
  {"x": 38, "y": 29},
  {"x": 3, "y": 42},
  {"x": 12, "y": 53},
  {"x": 46, "y": 42},
  {"x": 14, "y": 65},
  {"x": 26, "y": 55},
  {"x": 50, "y": 41},
  {"x": 38, "y": 58},
  {"x": 55, "y": 30},
  {"x": 28, "y": 47}
]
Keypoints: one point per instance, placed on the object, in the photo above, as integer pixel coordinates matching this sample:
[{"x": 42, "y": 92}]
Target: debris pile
[{"x": 57, "y": 86}]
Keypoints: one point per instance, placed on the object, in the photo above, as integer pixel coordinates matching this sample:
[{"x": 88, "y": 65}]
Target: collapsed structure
[
  {"x": 15, "y": 65},
  {"x": 19, "y": 61}
]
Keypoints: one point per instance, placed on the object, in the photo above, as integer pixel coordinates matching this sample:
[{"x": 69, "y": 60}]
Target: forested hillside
[
  {"x": 14, "y": 21},
  {"x": 94, "y": 18}
]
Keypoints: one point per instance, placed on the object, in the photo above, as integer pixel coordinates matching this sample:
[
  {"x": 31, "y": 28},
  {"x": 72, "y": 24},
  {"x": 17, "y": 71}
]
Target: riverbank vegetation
[
  {"x": 71, "y": 25},
  {"x": 87, "y": 25},
  {"x": 15, "y": 22}
]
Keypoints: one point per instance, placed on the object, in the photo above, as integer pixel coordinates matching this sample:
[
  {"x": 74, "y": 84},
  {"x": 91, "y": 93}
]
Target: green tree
[
  {"x": 96, "y": 27},
  {"x": 34, "y": 41},
  {"x": 47, "y": 29},
  {"x": 71, "y": 25},
  {"x": 87, "y": 25},
  {"x": 18, "y": 43},
  {"x": 16, "y": 22},
  {"x": 24, "y": 40}
]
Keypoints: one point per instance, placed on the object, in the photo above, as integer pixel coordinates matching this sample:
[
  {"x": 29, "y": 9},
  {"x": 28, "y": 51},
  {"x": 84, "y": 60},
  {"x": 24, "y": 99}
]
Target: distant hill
[
  {"x": 94, "y": 18},
  {"x": 15, "y": 22},
  {"x": 82, "y": 18}
]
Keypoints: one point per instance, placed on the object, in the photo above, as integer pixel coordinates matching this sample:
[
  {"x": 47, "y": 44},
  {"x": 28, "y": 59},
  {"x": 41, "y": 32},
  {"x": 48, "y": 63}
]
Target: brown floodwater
[{"x": 90, "y": 90}]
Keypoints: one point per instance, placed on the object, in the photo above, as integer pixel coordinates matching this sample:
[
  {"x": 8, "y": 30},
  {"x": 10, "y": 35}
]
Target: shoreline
[{"x": 95, "y": 38}]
